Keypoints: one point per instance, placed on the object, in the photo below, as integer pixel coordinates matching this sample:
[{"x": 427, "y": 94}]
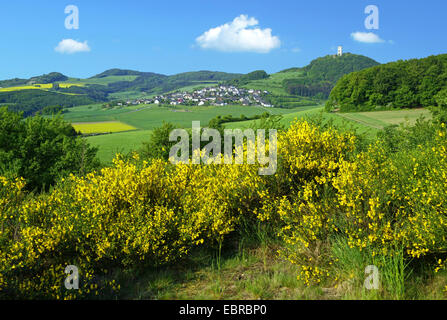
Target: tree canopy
[
  {"x": 41, "y": 150},
  {"x": 320, "y": 76},
  {"x": 403, "y": 84}
]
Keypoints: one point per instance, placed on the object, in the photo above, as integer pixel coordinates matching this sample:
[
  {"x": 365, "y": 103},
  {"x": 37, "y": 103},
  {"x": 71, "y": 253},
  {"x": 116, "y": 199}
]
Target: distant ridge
[
  {"x": 314, "y": 81},
  {"x": 117, "y": 72}
]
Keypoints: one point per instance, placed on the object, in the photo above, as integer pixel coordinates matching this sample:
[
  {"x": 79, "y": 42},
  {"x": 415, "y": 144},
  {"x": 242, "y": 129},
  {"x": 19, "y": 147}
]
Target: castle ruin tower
[{"x": 340, "y": 51}]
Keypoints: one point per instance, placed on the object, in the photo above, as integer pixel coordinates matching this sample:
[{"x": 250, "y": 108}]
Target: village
[{"x": 221, "y": 95}]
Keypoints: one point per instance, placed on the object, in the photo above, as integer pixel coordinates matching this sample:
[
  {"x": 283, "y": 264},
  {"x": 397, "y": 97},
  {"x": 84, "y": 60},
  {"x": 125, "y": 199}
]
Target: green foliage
[
  {"x": 402, "y": 84},
  {"x": 219, "y": 120},
  {"x": 441, "y": 98},
  {"x": 142, "y": 83},
  {"x": 335, "y": 208},
  {"x": 321, "y": 75},
  {"x": 95, "y": 92},
  {"x": 49, "y": 78},
  {"x": 13, "y": 82},
  {"x": 117, "y": 72},
  {"x": 245, "y": 79},
  {"x": 41, "y": 150},
  {"x": 152, "y": 83},
  {"x": 159, "y": 145},
  {"x": 267, "y": 122},
  {"x": 31, "y": 101},
  {"x": 46, "y": 78},
  {"x": 288, "y": 101},
  {"x": 401, "y": 138},
  {"x": 203, "y": 76},
  {"x": 330, "y": 68},
  {"x": 51, "y": 110}
]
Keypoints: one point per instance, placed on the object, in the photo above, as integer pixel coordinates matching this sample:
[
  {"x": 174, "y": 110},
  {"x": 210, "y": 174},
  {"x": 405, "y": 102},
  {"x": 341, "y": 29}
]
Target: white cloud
[
  {"x": 296, "y": 50},
  {"x": 366, "y": 37},
  {"x": 240, "y": 35},
  {"x": 70, "y": 46}
]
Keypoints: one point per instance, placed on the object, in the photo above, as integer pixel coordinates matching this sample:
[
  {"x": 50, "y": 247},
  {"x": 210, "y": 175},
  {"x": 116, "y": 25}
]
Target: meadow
[
  {"x": 367, "y": 123},
  {"x": 101, "y": 81},
  {"x": 381, "y": 119},
  {"x": 144, "y": 118},
  {"x": 125, "y": 142},
  {"x": 274, "y": 83}
]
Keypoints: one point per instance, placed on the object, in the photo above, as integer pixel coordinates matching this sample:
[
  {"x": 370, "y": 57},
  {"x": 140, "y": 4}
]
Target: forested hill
[
  {"x": 43, "y": 79},
  {"x": 332, "y": 68},
  {"x": 117, "y": 72},
  {"x": 321, "y": 75},
  {"x": 402, "y": 84}
]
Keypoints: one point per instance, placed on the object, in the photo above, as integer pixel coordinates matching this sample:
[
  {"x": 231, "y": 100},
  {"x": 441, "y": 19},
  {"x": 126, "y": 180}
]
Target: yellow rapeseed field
[
  {"x": 39, "y": 87},
  {"x": 102, "y": 127}
]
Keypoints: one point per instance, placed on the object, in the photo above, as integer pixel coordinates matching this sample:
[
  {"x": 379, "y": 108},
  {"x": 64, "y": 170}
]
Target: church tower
[{"x": 340, "y": 51}]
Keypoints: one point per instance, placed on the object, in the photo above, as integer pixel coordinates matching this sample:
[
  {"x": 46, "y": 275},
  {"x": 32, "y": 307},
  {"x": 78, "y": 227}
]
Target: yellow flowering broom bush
[
  {"x": 388, "y": 205},
  {"x": 124, "y": 216},
  {"x": 136, "y": 214},
  {"x": 310, "y": 158},
  {"x": 384, "y": 202}
]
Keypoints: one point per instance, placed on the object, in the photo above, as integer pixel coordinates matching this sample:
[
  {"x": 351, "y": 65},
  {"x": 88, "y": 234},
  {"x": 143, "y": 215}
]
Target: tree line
[{"x": 414, "y": 83}]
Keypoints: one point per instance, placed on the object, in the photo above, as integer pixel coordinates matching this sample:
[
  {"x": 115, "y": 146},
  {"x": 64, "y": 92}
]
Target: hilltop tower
[{"x": 340, "y": 51}]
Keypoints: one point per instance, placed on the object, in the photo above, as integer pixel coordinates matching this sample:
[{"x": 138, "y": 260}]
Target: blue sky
[{"x": 161, "y": 36}]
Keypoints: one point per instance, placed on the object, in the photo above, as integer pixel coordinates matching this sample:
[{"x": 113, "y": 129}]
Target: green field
[
  {"x": 102, "y": 81},
  {"x": 110, "y": 144},
  {"x": 128, "y": 95},
  {"x": 381, "y": 119},
  {"x": 314, "y": 113},
  {"x": 95, "y": 113},
  {"x": 368, "y": 123},
  {"x": 147, "y": 117},
  {"x": 144, "y": 118},
  {"x": 199, "y": 85},
  {"x": 274, "y": 83}
]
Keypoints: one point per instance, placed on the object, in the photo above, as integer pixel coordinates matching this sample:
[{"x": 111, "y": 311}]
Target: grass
[
  {"x": 243, "y": 275},
  {"x": 313, "y": 113},
  {"x": 256, "y": 272},
  {"x": 102, "y": 81},
  {"x": 148, "y": 117},
  {"x": 96, "y": 113},
  {"x": 102, "y": 127},
  {"x": 144, "y": 118},
  {"x": 366, "y": 123},
  {"x": 111, "y": 144},
  {"x": 199, "y": 85},
  {"x": 184, "y": 116},
  {"x": 274, "y": 83},
  {"x": 128, "y": 95},
  {"x": 381, "y": 119}
]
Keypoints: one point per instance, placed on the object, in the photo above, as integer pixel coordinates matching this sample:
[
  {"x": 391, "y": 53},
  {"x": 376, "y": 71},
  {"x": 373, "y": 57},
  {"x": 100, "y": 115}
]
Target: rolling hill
[
  {"x": 289, "y": 88},
  {"x": 34, "y": 94},
  {"x": 315, "y": 80}
]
